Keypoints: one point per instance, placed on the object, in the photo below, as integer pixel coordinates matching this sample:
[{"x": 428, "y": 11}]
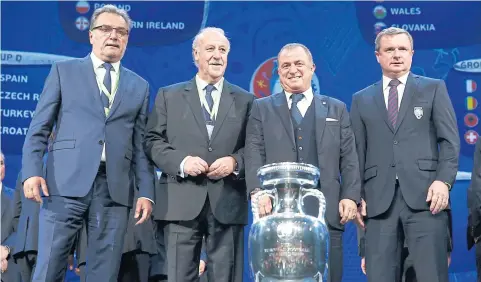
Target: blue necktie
[
  {"x": 107, "y": 84},
  {"x": 210, "y": 101},
  {"x": 295, "y": 113}
]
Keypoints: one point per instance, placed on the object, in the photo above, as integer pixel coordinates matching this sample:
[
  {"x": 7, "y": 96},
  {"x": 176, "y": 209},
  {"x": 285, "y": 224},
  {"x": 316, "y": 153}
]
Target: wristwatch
[{"x": 449, "y": 185}]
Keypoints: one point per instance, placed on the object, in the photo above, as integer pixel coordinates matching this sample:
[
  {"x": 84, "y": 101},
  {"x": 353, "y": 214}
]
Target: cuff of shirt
[
  {"x": 181, "y": 167},
  {"x": 147, "y": 199}
]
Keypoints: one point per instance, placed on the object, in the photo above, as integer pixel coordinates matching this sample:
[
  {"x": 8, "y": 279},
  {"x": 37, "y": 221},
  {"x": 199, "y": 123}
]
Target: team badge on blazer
[{"x": 418, "y": 112}]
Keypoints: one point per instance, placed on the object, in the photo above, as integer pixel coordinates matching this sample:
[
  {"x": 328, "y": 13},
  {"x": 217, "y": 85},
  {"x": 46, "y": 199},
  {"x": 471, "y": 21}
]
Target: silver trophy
[{"x": 288, "y": 245}]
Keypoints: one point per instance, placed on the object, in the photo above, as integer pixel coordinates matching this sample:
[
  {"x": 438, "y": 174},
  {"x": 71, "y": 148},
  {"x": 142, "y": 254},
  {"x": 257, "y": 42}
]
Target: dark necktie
[
  {"x": 210, "y": 101},
  {"x": 107, "y": 84},
  {"x": 295, "y": 113},
  {"x": 392, "y": 105}
]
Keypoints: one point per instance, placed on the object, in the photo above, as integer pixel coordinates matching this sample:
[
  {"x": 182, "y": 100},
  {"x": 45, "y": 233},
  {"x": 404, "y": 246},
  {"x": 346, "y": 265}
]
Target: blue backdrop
[{"x": 339, "y": 34}]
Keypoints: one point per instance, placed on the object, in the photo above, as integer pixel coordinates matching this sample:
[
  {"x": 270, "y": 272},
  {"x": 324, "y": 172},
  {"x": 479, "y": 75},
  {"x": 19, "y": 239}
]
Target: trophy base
[{"x": 265, "y": 279}]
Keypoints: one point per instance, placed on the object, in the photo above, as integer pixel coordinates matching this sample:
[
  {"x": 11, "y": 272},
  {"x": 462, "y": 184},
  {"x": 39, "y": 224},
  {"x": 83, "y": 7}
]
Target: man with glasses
[{"x": 98, "y": 109}]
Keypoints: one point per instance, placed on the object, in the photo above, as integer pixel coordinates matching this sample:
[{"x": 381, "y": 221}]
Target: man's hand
[
  {"x": 3, "y": 265},
  {"x": 201, "y": 267},
  {"x": 264, "y": 206},
  {"x": 194, "y": 166},
  {"x": 438, "y": 195},
  {"x": 143, "y": 206},
  {"x": 221, "y": 168},
  {"x": 363, "y": 265},
  {"x": 4, "y": 252},
  {"x": 31, "y": 188},
  {"x": 361, "y": 213},
  {"x": 347, "y": 210}
]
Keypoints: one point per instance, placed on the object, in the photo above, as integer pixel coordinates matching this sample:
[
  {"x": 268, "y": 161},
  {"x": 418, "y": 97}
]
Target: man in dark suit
[
  {"x": 139, "y": 245},
  {"x": 313, "y": 129},
  {"x": 99, "y": 110},
  {"x": 474, "y": 206},
  {"x": 8, "y": 229},
  {"x": 196, "y": 135},
  {"x": 408, "y": 145},
  {"x": 26, "y": 239}
]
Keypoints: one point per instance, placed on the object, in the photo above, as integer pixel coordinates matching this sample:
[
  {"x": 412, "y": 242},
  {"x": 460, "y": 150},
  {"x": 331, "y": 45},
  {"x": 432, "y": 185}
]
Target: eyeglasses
[{"x": 107, "y": 30}]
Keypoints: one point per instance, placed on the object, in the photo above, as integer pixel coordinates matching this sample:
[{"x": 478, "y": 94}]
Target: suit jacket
[
  {"x": 8, "y": 218},
  {"x": 270, "y": 141},
  {"x": 27, "y": 213},
  {"x": 139, "y": 237},
  {"x": 474, "y": 198},
  {"x": 423, "y": 147},
  {"x": 71, "y": 100},
  {"x": 176, "y": 129}
]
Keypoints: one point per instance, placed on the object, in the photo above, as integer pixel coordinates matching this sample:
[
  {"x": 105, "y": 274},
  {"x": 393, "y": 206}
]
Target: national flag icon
[
  {"x": 378, "y": 27},
  {"x": 471, "y": 120},
  {"x": 471, "y": 85},
  {"x": 379, "y": 12},
  {"x": 471, "y": 103},
  {"x": 82, "y": 23},
  {"x": 471, "y": 137},
  {"x": 82, "y": 7}
]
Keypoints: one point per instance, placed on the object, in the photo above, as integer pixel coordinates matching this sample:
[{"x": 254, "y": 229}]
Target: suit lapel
[
  {"x": 120, "y": 91},
  {"x": 225, "y": 103},
  {"x": 91, "y": 83},
  {"x": 191, "y": 95},
  {"x": 381, "y": 104},
  {"x": 409, "y": 91},
  {"x": 282, "y": 109},
  {"x": 321, "y": 109}
]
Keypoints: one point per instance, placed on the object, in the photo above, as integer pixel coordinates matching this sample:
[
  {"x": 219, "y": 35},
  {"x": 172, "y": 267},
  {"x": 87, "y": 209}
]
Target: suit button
[
  {"x": 301, "y": 159},
  {"x": 300, "y": 148},
  {"x": 101, "y": 142},
  {"x": 395, "y": 142},
  {"x": 210, "y": 149}
]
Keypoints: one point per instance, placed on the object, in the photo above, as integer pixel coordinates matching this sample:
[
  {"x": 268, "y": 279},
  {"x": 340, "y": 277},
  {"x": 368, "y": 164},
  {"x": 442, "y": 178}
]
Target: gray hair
[
  {"x": 111, "y": 9},
  {"x": 200, "y": 35},
  {"x": 291, "y": 46},
  {"x": 391, "y": 31}
]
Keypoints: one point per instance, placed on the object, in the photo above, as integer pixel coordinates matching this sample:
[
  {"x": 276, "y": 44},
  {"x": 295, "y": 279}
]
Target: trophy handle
[
  {"x": 255, "y": 202},
  {"x": 320, "y": 197}
]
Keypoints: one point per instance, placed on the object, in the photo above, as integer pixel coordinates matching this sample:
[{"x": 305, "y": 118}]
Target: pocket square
[{"x": 331, "y": 119}]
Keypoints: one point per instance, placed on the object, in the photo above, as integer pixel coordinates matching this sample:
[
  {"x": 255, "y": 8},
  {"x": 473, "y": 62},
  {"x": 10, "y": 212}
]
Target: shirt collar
[
  {"x": 308, "y": 94},
  {"x": 201, "y": 84},
  {"x": 385, "y": 80},
  {"x": 98, "y": 63}
]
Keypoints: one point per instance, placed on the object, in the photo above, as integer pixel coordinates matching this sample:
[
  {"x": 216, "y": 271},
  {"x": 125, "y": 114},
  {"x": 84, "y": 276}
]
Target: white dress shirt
[
  {"x": 100, "y": 74},
  {"x": 304, "y": 103},
  {"x": 400, "y": 88}
]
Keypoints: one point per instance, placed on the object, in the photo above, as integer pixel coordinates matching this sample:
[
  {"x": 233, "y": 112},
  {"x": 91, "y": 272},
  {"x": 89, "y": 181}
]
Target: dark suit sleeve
[
  {"x": 349, "y": 163},
  {"x": 255, "y": 153},
  {"x": 41, "y": 126},
  {"x": 361, "y": 244},
  {"x": 474, "y": 197},
  {"x": 444, "y": 119},
  {"x": 360, "y": 138},
  {"x": 165, "y": 156},
  {"x": 17, "y": 208},
  {"x": 239, "y": 154},
  {"x": 144, "y": 171}
]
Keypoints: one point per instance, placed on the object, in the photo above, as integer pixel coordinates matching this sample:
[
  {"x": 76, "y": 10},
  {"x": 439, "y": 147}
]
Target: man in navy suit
[
  {"x": 408, "y": 146},
  {"x": 98, "y": 108}
]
